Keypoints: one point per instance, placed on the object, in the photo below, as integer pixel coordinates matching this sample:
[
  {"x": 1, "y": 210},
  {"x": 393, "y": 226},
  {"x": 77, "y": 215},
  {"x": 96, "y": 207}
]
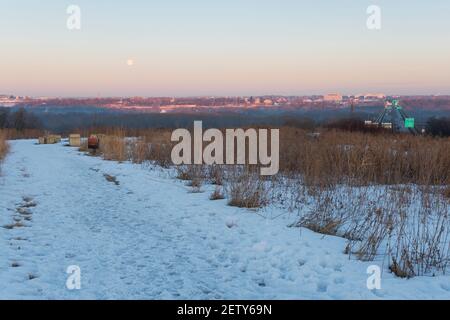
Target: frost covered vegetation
[
  {"x": 388, "y": 195},
  {"x": 407, "y": 227}
]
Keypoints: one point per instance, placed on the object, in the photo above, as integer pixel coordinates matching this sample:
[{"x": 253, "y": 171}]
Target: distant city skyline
[{"x": 177, "y": 48}]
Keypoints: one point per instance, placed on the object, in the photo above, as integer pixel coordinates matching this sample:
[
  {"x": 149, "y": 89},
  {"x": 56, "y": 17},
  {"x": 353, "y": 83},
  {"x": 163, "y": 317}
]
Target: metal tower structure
[{"x": 394, "y": 117}]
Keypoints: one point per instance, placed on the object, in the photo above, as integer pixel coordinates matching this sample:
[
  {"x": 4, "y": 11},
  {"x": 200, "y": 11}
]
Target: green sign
[{"x": 409, "y": 123}]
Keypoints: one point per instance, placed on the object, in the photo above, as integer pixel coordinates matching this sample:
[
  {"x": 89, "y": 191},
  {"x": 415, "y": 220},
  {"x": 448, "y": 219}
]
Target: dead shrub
[
  {"x": 216, "y": 175},
  {"x": 140, "y": 151},
  {"x": 160, "y": 154},
  {"x": 446, "y": 192},
  {"x": 217, "y": 194},
  {"x": 410, "y": 226},
  {"x": 194, "y": 174},
  {"x": 247, "y": 190},
  {"x": 113, "y": 147},
  {"x": 371, "y": 234},
  {"x": 196, "y": 182},
  {"x": 332, "y": 210},
  {"x": 421, "y": 242},
  {"x": 190, "y": 172},
  {"x": 323, "y": 218}
]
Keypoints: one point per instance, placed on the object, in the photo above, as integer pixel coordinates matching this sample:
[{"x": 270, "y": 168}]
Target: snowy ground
[{"x": 150, "y": 238}]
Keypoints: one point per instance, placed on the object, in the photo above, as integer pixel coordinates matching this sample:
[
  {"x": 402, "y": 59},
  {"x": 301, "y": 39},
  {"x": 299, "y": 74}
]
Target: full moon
[{"x": 130, "y": 62}]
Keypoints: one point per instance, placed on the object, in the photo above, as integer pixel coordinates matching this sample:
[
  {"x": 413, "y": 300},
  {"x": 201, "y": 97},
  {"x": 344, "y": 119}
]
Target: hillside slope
[{"x": 145, "y": 236}]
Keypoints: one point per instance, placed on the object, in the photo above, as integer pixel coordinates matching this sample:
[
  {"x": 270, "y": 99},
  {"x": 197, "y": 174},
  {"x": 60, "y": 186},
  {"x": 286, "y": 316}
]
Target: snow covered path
[{"x": 148, "y": 237}]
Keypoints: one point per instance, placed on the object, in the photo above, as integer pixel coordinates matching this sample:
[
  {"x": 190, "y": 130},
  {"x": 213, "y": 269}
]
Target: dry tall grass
[
  {"x": 4, "y": 146},
  {"x": 153, "y": 145},
  {"x": 246, "y": 189},
  {"x": 337, "y": 157},
  {"x": 13, "y": 134},
  {"x": 333, "y": 157},
  {"x": 113, "y": 147}
]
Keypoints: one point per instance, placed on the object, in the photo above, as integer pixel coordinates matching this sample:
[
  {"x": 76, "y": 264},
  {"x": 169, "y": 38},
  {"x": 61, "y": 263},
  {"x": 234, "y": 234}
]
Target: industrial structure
[{"x": 394, "y": 118}]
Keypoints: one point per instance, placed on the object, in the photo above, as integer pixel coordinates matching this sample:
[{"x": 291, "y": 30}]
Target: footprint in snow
[
  {"x": 378, "y": 293},
  {"x": 338, "y": 267},
  {"x": 260, "y": 282},
  {"x": 322, "y": 287},
  {"x": 339, "y": 280},
  {"x": 301, "y": 262},
  {"x": 230, "y": 223}
]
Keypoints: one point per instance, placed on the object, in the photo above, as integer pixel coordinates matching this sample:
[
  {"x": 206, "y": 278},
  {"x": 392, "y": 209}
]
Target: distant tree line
[
  {"x": 22, "y": 119},
  {"x": 426, "y": 103},
  {"x": 439, "y": 127},
  {"x": 67, "y": 122},
  {"x": 352, "y": 124},
  {"x": 19, "y": 120}
]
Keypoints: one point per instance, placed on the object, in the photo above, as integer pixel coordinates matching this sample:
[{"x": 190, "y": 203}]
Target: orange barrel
[{"x": 93, "y": 142}]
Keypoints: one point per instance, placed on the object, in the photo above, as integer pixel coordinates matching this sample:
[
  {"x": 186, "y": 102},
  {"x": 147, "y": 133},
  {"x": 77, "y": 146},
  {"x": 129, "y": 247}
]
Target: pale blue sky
[{"x": 233, "y": 47}]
